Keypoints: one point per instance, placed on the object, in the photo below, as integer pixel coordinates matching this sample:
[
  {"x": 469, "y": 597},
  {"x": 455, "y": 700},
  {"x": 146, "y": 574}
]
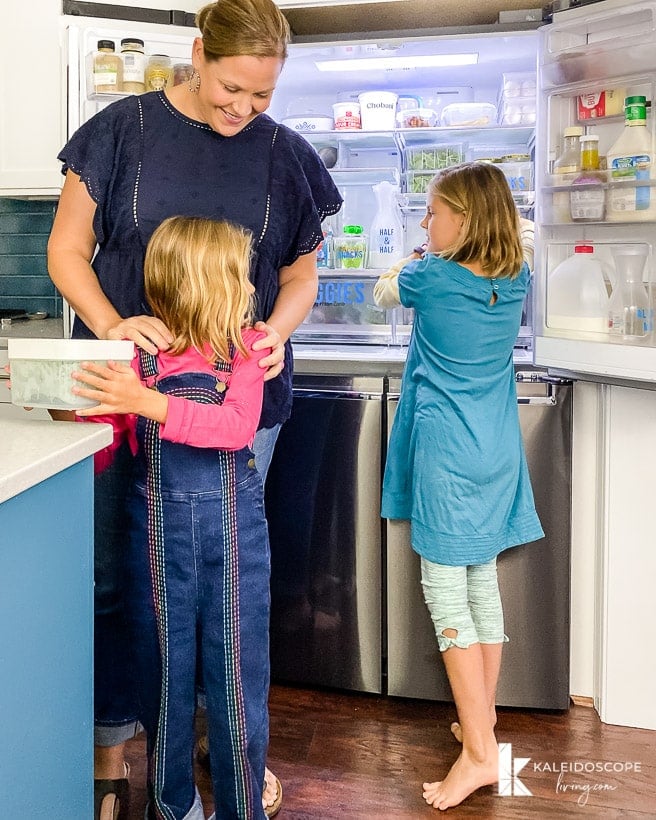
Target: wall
[{"x": 24, "y": 282}]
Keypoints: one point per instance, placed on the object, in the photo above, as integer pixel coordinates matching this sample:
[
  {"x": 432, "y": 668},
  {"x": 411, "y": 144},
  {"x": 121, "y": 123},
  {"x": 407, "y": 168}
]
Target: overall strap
[
  {"x": 226, "y": 367},
  {"x": 147, "y": 363}
]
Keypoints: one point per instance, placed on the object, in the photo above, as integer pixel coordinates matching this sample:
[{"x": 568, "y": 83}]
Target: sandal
[
  {"x": 203, "y": 758},
  {"x": 275, "y": 807},
  {"x": 111, "y": 798}
]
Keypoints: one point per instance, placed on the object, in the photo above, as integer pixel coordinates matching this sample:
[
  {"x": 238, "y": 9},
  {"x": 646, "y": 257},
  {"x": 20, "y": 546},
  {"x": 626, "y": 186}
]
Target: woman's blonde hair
[
  {"x": 235, "y": 28},
  {"x": 196, "y": 280},
  {"x": 491, "y": 233}
]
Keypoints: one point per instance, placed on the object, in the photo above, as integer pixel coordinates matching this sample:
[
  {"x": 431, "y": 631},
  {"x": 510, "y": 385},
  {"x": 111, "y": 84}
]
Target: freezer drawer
[
  {"x": 323, "y": 505},
  {"x": 534, "y": 579}
]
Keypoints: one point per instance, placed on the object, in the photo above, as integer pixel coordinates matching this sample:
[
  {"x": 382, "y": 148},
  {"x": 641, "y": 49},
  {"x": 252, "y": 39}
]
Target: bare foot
[
  {"x": 464, "y": 778},
  {"x": 456, "y": 729},
  {"x": 270, "y": 792}
]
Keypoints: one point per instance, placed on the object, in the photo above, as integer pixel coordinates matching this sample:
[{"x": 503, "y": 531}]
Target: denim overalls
[{"x": 199, "y": 599}]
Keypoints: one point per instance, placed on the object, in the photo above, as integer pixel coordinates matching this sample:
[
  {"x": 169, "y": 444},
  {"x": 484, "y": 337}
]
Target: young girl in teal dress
[{"x": 456, "y": 466}]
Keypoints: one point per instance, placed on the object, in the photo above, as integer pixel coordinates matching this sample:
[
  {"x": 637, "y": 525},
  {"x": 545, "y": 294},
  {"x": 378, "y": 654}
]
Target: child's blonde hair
[
  {"x": 491, "y": 232},
  {"x": 196, "y": 281}
]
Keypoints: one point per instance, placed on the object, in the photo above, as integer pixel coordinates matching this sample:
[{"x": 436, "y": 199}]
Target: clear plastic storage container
[
  {"x": 459, "y": 114},
  {"x": 41, "y": 369}
]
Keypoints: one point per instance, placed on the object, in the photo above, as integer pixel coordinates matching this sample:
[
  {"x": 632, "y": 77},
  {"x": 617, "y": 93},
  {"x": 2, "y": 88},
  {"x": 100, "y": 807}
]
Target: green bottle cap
[
  {"x": 635, "y": 109},
  {"x": 352, "y": 228}
]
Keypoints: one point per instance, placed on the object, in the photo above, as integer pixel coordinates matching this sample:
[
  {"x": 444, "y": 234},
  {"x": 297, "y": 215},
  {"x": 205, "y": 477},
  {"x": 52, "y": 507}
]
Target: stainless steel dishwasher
[
  {"x": 534, "y": 579},
  {"x": 323, "y": 508}
]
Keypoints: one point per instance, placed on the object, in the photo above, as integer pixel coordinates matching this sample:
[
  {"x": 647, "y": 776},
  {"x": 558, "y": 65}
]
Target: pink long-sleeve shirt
[{"x": 228, "y": 426}]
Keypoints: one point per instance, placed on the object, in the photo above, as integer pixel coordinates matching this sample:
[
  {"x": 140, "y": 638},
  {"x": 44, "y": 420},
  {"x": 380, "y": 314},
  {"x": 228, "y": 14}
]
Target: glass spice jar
[
  {"x": 134, "y": 65},
  {"x": 158, "y": 72},
  {"x": 107, "y": 69}
]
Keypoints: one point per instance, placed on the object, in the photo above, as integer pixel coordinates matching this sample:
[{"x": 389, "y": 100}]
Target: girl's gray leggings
[{"x": 465, "y": 600}]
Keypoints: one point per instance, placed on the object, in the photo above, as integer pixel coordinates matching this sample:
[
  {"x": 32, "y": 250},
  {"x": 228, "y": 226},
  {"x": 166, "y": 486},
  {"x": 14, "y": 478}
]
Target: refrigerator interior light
[{"x": 401, "y": 63}]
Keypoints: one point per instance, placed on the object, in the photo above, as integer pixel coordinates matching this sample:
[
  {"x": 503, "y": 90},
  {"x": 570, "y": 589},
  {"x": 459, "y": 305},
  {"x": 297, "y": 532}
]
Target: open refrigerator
[{"x": 606, "y": 49}]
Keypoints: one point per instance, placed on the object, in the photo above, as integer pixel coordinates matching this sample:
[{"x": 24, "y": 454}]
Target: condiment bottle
[
  {"x": 134, "y": 65},
  {"x": 566, "y": 167},
  {"x": 351, "y": 248},
  {"x": 386, "y": 233},
  {"x": 158, "y": 72},
  {"x": 630, "y": 159},
  {"x": 587, "y": 197},
  {"x": 107, "y": 69}
]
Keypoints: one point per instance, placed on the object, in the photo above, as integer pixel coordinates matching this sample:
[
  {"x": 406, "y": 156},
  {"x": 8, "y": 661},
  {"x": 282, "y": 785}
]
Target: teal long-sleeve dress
[{"x": 456, "y": 466}]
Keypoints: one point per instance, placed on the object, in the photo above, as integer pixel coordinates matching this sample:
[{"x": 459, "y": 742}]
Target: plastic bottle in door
[
  {"x": 566, "y": 168},
  {"x": 630, "y": 313},
  {"x": 386, "y": 234},
  {"x": 577, "y": 297},
  {"x": 631, "y": 159},
  {"x": 587, "y": 197}
]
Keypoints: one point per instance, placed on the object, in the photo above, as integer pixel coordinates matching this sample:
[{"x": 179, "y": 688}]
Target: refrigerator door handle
[{"x": 336, "y": 394}]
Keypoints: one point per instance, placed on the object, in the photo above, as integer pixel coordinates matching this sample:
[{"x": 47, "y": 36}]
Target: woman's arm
[
  {"x": 70, "y": 250},
  {"x": 298, "y": 292}
]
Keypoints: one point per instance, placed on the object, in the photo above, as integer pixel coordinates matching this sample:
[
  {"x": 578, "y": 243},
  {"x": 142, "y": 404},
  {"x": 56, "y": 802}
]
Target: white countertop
[
  {"x": 32, "y": 451},
  {"x": 32, "y": 329}
]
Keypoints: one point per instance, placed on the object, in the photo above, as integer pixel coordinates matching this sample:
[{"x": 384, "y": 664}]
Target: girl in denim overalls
[{"x": 199, "y": 553}]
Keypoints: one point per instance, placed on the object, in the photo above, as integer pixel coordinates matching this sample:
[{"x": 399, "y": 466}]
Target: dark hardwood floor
[{"x": 359, "y": 757}]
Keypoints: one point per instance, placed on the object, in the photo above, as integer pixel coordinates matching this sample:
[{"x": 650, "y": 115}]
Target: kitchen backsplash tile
[{"x": 24, "y": 281}]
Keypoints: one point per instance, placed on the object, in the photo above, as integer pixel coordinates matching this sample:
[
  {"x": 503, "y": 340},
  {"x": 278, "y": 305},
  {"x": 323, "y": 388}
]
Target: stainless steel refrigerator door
[
  {"x": 534, "y": 579},
  {"x": 323, "y": 509}
]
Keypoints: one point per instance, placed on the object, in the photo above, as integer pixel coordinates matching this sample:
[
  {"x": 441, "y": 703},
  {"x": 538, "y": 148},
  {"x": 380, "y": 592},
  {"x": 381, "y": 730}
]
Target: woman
[{"x": 204, "y": 149}]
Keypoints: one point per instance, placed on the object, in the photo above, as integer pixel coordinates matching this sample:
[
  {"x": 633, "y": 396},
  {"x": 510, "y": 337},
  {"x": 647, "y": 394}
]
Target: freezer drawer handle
[{"x": 335, "y": 394}]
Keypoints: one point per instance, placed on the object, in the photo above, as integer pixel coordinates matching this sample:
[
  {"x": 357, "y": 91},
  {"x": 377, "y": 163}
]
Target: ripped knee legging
[{"x": 464, "y": 603}]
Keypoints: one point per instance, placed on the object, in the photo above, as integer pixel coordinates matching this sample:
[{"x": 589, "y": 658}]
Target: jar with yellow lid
[{"x": 158, "y": 74}]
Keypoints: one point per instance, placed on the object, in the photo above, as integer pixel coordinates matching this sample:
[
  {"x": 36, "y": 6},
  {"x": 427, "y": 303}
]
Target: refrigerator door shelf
[
  {"x": 593, "y": 44},
  {"x": 597, "y": 361}
]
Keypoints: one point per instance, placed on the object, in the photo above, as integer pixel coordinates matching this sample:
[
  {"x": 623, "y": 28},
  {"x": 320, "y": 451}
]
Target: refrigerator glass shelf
[
  {"x": 413, "y": 202},
  {"x": 364, "y": 176},
  {"x": 503, "y": 136}
]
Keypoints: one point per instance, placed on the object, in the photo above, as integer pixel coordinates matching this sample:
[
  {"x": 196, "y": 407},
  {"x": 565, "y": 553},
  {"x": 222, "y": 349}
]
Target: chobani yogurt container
[
  {"x": 346, "y": 116},
  {"x": 378, "y": 110}
]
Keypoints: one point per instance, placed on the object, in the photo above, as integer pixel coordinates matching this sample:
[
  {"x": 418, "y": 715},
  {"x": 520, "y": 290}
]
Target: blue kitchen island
[{"x": 46, "y": 618}]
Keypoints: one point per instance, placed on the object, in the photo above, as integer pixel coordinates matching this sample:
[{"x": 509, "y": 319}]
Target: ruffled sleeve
[
  {"x": 95, "y": 151},
  {"x": 306, "y": 190}
]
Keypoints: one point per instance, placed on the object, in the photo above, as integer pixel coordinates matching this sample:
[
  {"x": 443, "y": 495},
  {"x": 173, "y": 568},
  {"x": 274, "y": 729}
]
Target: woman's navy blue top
[{"x": 143, "y": 161}]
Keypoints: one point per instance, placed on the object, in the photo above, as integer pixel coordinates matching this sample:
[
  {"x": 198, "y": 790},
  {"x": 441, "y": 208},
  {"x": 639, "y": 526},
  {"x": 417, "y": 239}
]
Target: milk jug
[
  {"x": 386, "y": 234},
  {"x": 577, "y": 297}
]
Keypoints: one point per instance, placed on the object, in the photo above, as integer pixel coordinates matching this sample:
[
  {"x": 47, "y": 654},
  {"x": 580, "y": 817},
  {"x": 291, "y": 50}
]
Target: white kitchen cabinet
[{"x": 32, "y": 126}]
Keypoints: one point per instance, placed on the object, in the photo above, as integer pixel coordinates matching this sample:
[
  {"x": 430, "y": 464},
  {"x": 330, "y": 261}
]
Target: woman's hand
[
  {"x": 118, "y": 390},
  {"x": 275, "y": 361},
  {"x": 148, "y": 332}
]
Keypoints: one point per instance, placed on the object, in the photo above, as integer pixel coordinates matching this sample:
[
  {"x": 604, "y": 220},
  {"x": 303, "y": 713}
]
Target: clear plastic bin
[
  {"x": 41, "y": 369},
  {"x": 434, "y": 158},
  {"x": 518, "y": 84},
  {"x": 464, "y": 114}
]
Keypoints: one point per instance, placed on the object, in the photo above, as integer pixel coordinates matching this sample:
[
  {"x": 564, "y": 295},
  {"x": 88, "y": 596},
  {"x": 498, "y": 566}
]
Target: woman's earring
[{"x": 194, "y": 82}]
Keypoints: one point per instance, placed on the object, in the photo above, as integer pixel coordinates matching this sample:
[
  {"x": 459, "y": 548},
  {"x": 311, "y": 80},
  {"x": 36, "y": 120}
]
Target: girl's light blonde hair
[
  {"x": 196, "y": 281},
  {"x": 491, "y": 232},
  {"x": 235, "y": 28}
]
